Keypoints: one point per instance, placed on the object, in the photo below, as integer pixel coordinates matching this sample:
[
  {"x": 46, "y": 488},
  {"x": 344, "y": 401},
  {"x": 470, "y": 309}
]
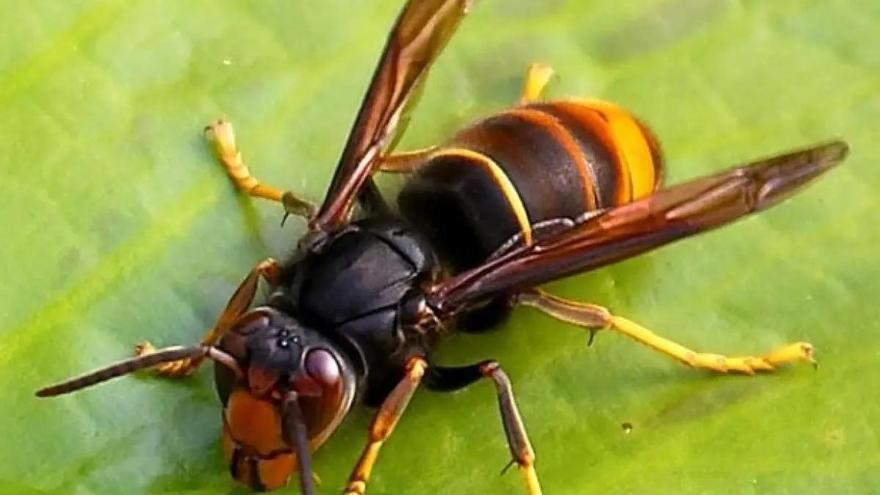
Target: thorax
[{"x": 352, "y": 287}]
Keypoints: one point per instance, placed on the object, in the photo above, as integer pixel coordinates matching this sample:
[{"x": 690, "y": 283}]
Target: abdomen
[{"x": 505, "y": 174}]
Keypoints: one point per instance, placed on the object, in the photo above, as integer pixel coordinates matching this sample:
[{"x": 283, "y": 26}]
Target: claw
[
  {"x": 297, "y": 206},
  {"x": 222, "y": 135},
  {"x": 799, "y": 351},
  {"x": 507, "y": 467}
]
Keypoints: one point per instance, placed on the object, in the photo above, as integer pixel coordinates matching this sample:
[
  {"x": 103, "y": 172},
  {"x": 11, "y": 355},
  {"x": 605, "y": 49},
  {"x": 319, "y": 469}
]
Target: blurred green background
[{"x": 119, "y": 227}]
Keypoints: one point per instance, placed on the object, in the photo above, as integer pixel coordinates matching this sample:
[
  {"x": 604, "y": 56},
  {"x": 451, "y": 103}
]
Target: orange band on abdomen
[{"x": 631, "y": 144}]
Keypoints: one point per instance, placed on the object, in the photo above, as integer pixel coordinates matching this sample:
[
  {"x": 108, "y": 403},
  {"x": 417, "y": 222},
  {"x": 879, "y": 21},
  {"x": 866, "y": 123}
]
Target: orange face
[{"x": 254, "y": 444}]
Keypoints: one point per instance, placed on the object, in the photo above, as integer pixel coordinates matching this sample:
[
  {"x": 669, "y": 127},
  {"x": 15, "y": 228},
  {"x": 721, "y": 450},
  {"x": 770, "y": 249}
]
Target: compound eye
[
  {"x": 323, "y": 367},
  {"x": 323, "y": 410}
]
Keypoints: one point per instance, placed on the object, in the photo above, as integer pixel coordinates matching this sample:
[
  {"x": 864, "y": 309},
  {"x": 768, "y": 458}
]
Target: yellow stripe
[
  {"x": 632, "y": 145},
  {"x": 502, "y": 181}
]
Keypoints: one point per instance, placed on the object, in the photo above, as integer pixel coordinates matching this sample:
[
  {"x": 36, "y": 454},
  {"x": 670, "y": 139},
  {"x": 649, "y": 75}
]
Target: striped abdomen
[{"x": 527, "y": 165}]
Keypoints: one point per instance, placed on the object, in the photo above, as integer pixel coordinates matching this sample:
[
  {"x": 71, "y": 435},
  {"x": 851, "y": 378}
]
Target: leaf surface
[{"x": 121, "y": 227}]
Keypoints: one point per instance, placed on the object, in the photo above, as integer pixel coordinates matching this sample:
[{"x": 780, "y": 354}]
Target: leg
[
  {"x": 595, "y": 317},
  {"x": 238, "y": 304},
  {"x": 448, "y": 379},
  {"x": 383, "y": 424},
  {"x": 537, "y": 77},
  {"x": 223, "y": 137},
  {"x": 405, "y": 162}
]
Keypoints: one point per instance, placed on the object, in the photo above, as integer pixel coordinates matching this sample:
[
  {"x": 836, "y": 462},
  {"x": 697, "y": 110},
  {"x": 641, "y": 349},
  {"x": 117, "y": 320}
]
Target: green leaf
[{"x": 121, "y": 227}]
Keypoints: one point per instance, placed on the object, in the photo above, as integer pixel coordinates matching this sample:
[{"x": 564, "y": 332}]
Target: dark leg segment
[
  {"x": 238, "y": 304},
  {"x": 448, "y": 379}
]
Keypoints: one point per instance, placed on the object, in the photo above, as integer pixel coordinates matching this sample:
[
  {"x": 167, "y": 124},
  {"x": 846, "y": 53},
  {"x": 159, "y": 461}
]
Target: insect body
[
  {"x": 532, "y": 165},
  {"x": 529, "y": 195}
]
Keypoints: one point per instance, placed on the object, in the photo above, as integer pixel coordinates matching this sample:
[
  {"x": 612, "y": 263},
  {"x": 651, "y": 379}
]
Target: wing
[
  {"x": 418, "y": 37},
  {"x": 625, "y": 231}
]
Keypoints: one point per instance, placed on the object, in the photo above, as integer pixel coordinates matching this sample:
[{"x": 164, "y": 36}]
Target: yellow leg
[
  {"x": 222, "y": 135},
  {"x": 383, "y": 424},
  {"x": 596, "y": 317},
  {"x": 537, "y": 77},
  {"x": 238, "y": 304},
  {"x": 405, "y": 162}
]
